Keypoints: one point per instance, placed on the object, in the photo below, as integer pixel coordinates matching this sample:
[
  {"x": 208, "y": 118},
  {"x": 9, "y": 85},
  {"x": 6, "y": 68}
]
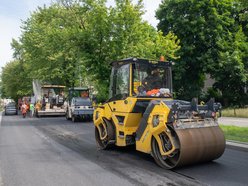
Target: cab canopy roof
[
  {"x": 140, "y": 61},
  {"x": 52, "y": 86},
  {"x": 79, "y": 88}
]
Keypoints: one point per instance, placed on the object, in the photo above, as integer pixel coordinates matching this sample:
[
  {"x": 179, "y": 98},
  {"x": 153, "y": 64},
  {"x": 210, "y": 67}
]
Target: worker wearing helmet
[{"x": 153, "y": 80}]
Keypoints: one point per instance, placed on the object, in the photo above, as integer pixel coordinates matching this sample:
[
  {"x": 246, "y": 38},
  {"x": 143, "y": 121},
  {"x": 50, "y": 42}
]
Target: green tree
[
  {"x": 200, "y": 25},
  {"x": 232, "y": 72},
  {"x": 242, "y": 15},
  {"x": 122, "y": 33},
  {"x": 51, "y": 44},
  {"x": 14, "y": 81}
]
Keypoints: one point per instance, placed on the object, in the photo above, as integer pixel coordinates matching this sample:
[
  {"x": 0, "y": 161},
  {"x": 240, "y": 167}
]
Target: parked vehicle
[{"x": 11, "y": 109}]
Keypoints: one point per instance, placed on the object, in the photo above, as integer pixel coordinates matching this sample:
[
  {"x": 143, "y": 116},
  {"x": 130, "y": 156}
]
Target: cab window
[
  {"x": 120, "y": 82},
  {"x": 151, "y": 80}
]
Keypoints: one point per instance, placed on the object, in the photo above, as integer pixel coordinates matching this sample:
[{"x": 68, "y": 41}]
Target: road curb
[{"x": 237, "y": 145}]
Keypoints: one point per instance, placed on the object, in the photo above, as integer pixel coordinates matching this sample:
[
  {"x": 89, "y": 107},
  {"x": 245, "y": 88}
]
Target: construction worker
[
  {"x": 24, "y": 109},
  {"x": 38, "y": 105},
  {"x": 84, "y": 94},
  {"x": 31, "y": 109},
  {"x": 153, "y": 80}
]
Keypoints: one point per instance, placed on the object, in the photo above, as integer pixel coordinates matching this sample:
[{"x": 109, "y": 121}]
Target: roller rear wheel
[
  {"x": 109, "y": 140},
  {"x": 102, "y": 144},
  {"x": 169, "y": 161},
  {"x": 67, "y": 115},
  {"x": 73, "y": 118}
]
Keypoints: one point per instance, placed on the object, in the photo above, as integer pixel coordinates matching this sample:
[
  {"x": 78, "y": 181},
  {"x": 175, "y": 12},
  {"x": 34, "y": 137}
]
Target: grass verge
[
  {"x": 239, "y": 112},
  {"x": 235, "y": 133}
]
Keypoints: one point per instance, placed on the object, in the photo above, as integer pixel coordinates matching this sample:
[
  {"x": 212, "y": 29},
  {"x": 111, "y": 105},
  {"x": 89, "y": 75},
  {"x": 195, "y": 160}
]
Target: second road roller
[{"x": 141, "y": 111}]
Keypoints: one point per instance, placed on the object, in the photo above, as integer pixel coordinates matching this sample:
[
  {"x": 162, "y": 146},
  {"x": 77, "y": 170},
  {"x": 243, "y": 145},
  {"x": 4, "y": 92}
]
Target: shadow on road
[{"x": 18, "y": 120}]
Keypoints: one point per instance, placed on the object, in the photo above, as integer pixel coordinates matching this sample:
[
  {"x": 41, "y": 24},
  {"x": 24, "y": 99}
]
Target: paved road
[
  {"x": 53, "y": 151},
  {"x": 241, "y": 122}
]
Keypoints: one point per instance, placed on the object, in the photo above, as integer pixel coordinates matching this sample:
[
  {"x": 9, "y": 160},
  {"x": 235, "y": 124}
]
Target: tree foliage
[
  {"x": 232, "y": 72},
  {"x": 213, "y": 42},
  {"x": 14, "y": 80}
]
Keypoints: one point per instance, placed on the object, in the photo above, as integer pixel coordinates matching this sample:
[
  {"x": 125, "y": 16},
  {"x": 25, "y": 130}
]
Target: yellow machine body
[
  {"x": 174, "y": 132},
  {"x": 126, "y": 127}
]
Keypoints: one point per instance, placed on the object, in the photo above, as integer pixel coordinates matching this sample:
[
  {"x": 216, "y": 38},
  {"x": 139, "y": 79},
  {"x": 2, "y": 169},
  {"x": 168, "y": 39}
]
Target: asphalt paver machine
[{"x": 49, "y": 99}]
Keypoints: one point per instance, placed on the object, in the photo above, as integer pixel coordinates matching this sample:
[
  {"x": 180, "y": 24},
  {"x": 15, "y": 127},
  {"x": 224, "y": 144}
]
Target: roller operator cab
[{"x": 141, "y": 112}]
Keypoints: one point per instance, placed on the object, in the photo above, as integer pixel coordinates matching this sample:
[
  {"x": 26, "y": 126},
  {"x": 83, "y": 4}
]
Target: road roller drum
[{"x": 195, "y": 145}]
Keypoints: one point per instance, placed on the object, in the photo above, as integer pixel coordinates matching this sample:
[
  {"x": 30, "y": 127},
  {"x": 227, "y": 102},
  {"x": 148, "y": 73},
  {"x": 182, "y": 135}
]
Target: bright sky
[{"x": 12, "y": 12}]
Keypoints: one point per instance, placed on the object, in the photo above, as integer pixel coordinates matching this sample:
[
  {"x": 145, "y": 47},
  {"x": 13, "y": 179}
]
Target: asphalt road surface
[{"x": 53, "y": 151}]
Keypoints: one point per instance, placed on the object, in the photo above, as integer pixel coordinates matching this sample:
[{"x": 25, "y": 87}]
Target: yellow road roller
[{"x": 141, "y": 111}]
